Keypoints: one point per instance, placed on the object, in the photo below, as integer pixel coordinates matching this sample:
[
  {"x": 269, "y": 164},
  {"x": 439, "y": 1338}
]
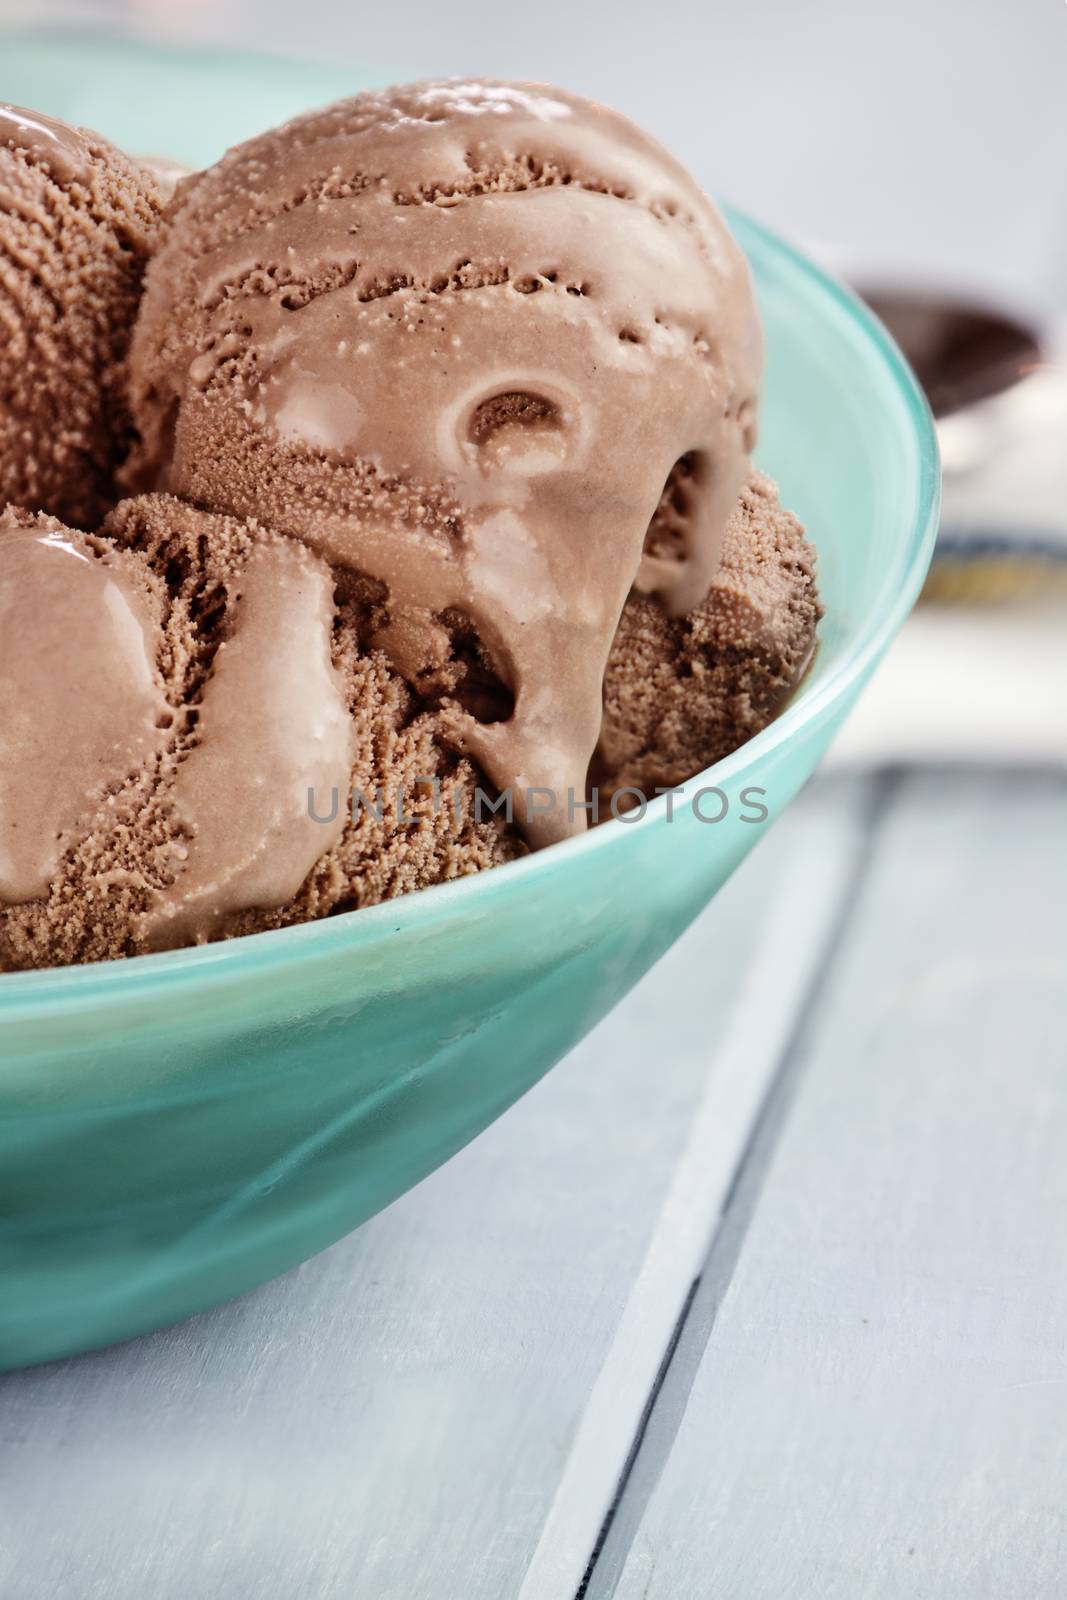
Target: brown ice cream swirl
[
  {"x": 81, "y": 702},
  {"x": 84, "y": 708},
  {"x": 455, "y": 337},
  {"x": 56, "y": 145},
  {"x": 274, "y": 741}
]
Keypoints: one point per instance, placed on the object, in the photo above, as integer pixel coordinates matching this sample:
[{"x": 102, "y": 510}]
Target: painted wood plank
[
  {"x": 394, "y": 1418},
  {"x": 793, "y": 941},
  {"x": 870, "y": 1399}
]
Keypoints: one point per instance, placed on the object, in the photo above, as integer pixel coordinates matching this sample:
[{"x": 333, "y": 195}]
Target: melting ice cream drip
[{"x": 459, "y": 247}]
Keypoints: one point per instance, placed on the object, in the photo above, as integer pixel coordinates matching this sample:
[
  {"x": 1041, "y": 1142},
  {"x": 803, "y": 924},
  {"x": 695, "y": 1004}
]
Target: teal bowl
[{"x": 178, "y": 1128}]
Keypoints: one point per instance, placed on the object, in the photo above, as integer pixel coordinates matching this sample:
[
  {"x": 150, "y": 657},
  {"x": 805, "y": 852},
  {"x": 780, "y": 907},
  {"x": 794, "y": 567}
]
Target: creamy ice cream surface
[
  {"x": 455, "y": 337},
  {"x": 185, "y": 709},
  {"x": 433, "y": 412},
  {"x": 77, "y": 224}
]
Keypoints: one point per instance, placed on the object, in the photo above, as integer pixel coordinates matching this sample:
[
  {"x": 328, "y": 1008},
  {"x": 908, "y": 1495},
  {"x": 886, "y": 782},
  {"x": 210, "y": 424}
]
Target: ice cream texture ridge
[{"x": 405, "y": 450}]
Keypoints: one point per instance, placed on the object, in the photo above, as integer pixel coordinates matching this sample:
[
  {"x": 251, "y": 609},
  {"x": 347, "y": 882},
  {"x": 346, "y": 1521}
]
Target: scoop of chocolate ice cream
[
  {"x": 682, "y": 692},
  {"x": 444, "y": 398},
  {"x": 77, "y": 224},
  {"x": 188, "y": 707},
  {"x": 456, "y": 336}
]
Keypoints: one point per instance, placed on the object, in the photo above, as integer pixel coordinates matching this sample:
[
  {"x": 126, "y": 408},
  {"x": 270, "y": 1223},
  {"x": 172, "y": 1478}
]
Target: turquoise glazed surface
[{"x": 178, "y": 1128}]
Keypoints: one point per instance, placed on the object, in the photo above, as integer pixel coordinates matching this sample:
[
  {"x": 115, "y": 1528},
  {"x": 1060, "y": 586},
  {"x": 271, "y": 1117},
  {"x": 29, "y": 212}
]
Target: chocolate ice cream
[
  {"x": 187, "y": 709},
  {"x": 441, "y": 511},
  {"x": 77, "y": 222},
  {"x": 455, "y": 337},
  {"x": 682, "y": 692}
]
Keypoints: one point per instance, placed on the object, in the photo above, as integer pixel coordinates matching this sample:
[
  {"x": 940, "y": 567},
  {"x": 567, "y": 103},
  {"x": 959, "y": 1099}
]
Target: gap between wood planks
[{"x": 749, "y": 1072}]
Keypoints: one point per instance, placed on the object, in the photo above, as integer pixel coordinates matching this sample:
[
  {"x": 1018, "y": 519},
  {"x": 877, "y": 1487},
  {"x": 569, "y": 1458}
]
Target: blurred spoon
[{"x": 997, "y": 385}]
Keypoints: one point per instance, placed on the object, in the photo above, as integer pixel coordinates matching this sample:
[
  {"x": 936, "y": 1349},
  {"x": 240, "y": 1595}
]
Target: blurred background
[
  {"x": 919, "y": 148},
  {"x": 922, "y": 135}
]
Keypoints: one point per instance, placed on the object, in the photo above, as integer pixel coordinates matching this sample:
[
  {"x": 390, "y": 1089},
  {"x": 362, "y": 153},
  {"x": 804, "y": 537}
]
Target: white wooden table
[{"x": 761, "y": 1294}]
